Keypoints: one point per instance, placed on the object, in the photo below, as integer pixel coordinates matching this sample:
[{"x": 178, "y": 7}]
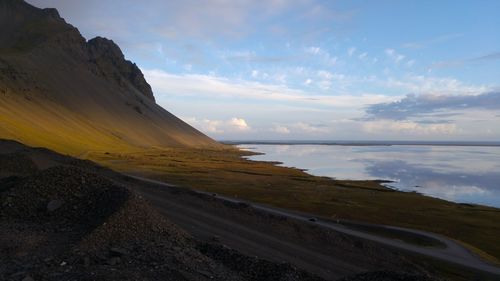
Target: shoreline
[
  {"x": 385, "y": 183},
  {"x": 365, "y": 143},
  {"x": 293, "y": 189}
]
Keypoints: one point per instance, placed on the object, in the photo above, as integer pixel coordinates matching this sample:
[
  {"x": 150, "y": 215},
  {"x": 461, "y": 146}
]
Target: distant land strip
[{"x": 363, "y": 143}]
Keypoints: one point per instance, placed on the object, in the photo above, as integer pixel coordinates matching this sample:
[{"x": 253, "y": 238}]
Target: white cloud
[
  {"x": 410, "y": 63},
  {"x": 382, "y": 127},
  {"x": 311, "y": 129},
  {"x": 325, "y": 56},
  {"x": 217, "y": 127},
  {"x": 205, "y": 125},
  {"x": 313, "y": 50},
  {"x": 325, "y": 74},
  {"x": 195, "y": 85},
  {"x": 362, "y": 56},
  {"x": 422, "y": 84},
  {"x": 281, "y": 129},
  {"x": 239, "y": 123},
  {"x": 301, "y": 129},
  {"x": 396, "y": 57}
]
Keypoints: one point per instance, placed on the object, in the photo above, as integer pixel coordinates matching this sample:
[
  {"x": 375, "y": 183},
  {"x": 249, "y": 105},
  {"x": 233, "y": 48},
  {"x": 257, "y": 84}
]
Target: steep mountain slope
[{"x": 60, "y": 91}]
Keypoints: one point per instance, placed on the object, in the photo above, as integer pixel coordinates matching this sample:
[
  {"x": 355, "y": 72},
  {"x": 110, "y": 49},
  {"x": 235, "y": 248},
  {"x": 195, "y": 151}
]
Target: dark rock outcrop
[
  {"x": 113, "y": 65},
  {"x": 36, "y": 26},
  {"x": 25, "y": 27}
]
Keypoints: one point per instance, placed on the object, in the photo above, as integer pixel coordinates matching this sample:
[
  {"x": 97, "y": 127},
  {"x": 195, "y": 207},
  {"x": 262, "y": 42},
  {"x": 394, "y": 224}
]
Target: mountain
[{"x": 60, "y": 91}]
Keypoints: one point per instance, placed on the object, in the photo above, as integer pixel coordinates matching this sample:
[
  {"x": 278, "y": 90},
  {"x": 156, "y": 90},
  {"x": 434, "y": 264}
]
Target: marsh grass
[{"x": 227, "y": 172}]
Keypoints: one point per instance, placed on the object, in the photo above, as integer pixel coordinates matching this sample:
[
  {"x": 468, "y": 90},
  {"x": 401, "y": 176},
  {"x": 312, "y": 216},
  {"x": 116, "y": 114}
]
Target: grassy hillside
[
  {"x": 55, "y": 127},
  {"x": 60, "y": 91}
]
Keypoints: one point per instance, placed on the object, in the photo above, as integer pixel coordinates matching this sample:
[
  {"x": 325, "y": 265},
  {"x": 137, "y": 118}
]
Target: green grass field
[{"x": 226, "y": 172}]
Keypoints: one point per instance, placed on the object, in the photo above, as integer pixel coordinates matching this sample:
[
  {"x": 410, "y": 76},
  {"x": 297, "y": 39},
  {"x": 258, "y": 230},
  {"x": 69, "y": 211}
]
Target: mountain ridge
[{"x": 63, "y": 92}]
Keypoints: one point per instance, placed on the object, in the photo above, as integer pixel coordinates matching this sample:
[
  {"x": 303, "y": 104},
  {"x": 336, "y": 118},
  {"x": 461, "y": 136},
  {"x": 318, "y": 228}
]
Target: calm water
[{"x": 462, "y": 174}]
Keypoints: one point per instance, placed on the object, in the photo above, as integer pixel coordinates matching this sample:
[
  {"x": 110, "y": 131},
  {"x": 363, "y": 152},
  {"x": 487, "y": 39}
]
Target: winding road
[{"x": 453, "y": 252}]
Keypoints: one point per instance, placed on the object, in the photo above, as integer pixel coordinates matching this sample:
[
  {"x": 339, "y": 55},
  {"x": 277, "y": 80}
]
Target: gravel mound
[
  {"x": 253, "y": 268},
  {"x": 72, "y": 222},
  {"x": 64, "y": 195},
  {"x": 65, "y": 223},
  {"x": 16, "y": 164}
]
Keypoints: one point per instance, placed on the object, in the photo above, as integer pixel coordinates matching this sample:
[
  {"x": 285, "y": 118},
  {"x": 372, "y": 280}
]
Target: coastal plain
[{"x": 228, "y": 173}]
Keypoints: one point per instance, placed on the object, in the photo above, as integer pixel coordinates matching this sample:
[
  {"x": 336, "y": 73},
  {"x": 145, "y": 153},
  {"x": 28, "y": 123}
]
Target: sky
[{"x": 312, "y": 69}]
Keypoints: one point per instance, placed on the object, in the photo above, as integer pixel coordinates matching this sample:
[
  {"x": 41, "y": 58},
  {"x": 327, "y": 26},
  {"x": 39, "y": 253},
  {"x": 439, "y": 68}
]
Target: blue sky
[{"x": 312, "y": 70}]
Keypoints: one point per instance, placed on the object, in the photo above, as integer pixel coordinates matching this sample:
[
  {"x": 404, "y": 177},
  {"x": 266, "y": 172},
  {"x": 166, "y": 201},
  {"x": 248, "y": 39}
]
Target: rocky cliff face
[
  {"x": 25, "y": 27},
  {"x": 60, "y": 91},
  {"x": 31, "y": 27},
  {"x": 109, "y": 59}
]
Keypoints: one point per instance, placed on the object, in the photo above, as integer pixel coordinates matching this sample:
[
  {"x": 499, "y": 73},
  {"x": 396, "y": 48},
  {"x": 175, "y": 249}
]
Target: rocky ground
[
  {"x": 64, "y": 219},
  {"x": 69, "y": 223},
  {"x": 387, "y": 276}
]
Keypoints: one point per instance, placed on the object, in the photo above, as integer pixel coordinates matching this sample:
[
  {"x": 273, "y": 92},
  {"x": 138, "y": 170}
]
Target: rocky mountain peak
[
  {"x": 25, "y": 28},
  {"x": 112, "y": 64},
  {"x": 52, "y": 13}
]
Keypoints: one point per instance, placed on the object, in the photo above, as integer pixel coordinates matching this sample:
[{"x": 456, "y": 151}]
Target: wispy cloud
[
  {"x": 195, "y": 85},
  {"x": 362, "y": 56},
  {"x": 432, "y": 41},
  {"x": 313, "y": 50},
  {"x": 488, "y": 57},
  {"x": 254, "y": 58},
  {"x": 395, "y": 56},
  {"x": 424, "y": 84},
  {"x": 462, "y": 62},
  {"x": 302, "y": 128},
  {"x": 324, "y": 55},
  {"x": 401, "y": 127},
  {"x": 280, "y": 129},
  {"x": 410, "y": 63}
]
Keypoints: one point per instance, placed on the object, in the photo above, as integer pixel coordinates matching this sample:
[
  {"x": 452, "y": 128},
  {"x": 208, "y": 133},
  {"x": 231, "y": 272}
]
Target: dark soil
[
  {"x": 387, "y": 276},
  {"x": 67, "y": 222}
]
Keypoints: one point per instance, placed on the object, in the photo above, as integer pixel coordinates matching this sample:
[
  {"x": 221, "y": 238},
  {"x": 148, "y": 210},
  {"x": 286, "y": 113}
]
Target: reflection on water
[{"x": 460, "y": 174}]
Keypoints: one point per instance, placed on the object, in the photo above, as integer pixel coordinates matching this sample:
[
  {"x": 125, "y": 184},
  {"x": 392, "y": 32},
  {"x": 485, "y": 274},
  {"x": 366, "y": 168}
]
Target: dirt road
[{"x": 252, "y": 236}]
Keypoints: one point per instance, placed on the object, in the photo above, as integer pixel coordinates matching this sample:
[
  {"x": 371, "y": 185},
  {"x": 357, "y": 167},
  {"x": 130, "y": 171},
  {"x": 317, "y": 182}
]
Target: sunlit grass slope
[{"x": 54, "y": 127}]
